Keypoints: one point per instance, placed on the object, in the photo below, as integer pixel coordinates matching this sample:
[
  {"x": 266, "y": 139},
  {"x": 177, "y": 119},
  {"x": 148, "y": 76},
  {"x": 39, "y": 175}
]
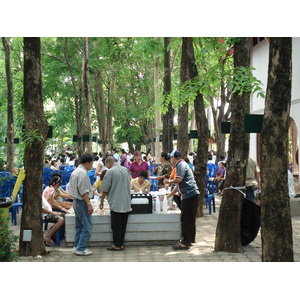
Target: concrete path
[{"x": 202, "y": 251}]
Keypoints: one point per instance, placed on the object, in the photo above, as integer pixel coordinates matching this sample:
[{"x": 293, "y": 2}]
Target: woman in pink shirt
[
  {"x": 50, "y": 193},
  {"x": 138, "y": 165}
]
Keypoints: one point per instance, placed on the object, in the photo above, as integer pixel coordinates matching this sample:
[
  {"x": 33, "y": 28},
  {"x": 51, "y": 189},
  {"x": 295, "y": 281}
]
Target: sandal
[
  {"x": 48, "y": 244},
  {"x": 112, "y": 248},
  {"x": 179, "y": 246}
]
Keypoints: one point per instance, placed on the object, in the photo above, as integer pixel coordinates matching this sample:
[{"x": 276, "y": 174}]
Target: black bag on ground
[{"x": 250, "y": 222}]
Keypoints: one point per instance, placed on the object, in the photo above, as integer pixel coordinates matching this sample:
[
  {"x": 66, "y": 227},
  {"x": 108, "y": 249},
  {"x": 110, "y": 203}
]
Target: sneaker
[
  {"x": 74, "y": 250},
  {"x": 83, "y": 253}
]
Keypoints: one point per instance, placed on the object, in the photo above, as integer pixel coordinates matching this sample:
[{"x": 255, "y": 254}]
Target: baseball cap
[{"x": 175, "y": 154}]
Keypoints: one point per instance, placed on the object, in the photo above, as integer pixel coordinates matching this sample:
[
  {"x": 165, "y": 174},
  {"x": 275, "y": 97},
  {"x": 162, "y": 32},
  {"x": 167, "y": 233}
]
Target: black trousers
[
  {"x": 177, "y": 200},
  {"x": 250, "y": 192},
  {"x": 188, "y": 219},
  {"x": 118, "y": 227}
]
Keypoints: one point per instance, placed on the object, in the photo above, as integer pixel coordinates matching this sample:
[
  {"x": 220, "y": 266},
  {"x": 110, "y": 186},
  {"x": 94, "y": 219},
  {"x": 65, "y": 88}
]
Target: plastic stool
[{"x": 59, "y": 234}]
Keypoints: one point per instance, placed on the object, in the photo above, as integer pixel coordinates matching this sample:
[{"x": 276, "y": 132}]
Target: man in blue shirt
[{"x": 188, "y": 190}]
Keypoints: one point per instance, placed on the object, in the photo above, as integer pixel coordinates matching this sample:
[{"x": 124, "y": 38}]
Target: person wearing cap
[{"x": 188, "y": 190}]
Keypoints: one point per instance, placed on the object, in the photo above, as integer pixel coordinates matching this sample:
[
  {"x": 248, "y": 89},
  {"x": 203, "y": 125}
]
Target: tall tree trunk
[
  {"x": 168, "y": 125},
  {"x": 222, "y": 112},
  {"x": 201, "y": 122},
  {"x": 192, "y": 127},
  {"x": 183, "y": 110},
  {"x": 110, "y": 111},
  {"x": 276, "y": 227},
  {"x": 10, "y": 109},
  {"x": 228, "y": 233},
  {"x": 101, "y": 110},
  {"x": 158, "y": 125},
  {"x": 77, "y": 102},
  {"x": 86, "y": 91},
  {"x": 36, "y": 129}
]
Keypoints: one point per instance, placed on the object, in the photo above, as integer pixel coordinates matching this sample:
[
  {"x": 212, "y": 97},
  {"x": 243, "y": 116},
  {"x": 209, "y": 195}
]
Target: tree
[
  {"x": 168, "y": 117},
  {"x": 158, "y": 127},
  {"x": 36, "y": 129},
  {"x": 201, "y": 122},
  {"x": 190, "y": 90},
  {"x": 77, "y": 101},
  {"x": 10, "y": 111},
  {"x": 182, "y": 133},
  {"x": 215, "y": 65},
  {"x": 85, "y": 90},
  {"x": 276, "y": 227},
  {"x": 228, "y": 232},
  {"x": 100, "y": 107}
]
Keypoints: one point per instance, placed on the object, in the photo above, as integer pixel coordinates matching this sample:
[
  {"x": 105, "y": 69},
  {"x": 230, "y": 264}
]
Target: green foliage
[
  {"x": 214, "y": 60},
  {"x": 33, "y": 136},
  {"x": 243, "y": 81},
  {"x": 7, "y": 241},
  {"x": 126, "y": 65}
]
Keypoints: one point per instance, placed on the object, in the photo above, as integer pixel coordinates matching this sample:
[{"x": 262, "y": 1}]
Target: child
[{"x": 98, "y": 183}]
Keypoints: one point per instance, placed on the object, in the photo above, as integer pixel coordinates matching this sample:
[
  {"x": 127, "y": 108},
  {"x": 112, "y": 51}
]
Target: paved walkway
[{"x": 202, "y": 251}]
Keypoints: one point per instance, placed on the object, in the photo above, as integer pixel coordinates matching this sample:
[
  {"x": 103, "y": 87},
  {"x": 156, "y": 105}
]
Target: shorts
[{"x": 51, "y": 218}]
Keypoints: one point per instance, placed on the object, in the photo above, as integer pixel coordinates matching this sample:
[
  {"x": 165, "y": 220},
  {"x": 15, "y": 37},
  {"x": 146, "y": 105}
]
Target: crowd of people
[
  {"x": 120, "y": 175},
  {"x": 116, "y": 175}
]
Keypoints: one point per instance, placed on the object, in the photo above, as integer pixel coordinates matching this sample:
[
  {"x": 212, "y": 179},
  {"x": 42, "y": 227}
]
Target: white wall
[{"x": 260, "y": 61}]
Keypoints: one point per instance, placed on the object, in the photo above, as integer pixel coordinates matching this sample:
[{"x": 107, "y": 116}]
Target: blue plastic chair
[
  {"x": 5, "y": 174},
  {"x": 14, "y": 211},
  {"x": 211, "y": 171},
  {"x": 59, "y": 234},
  {"x": 210, "y": 196},
  {"x": 92, "y": 176},
  {"x": 16, "y": 205},
  {"x": 7, "y": 187},
  {"x": 69, "y": 169}
]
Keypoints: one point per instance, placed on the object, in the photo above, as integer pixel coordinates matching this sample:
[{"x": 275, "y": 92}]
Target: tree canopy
[{"x": 121, "y": 87}]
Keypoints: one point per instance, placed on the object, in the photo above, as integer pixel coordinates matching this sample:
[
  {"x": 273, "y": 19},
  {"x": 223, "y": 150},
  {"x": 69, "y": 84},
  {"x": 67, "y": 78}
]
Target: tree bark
[
  {"x": 101, "y": 110},
  {"x": 183, "y": 110},
  {"x": 36, "y": 129},
  {"x": 168, "y": 123},
  {"x": 86, "y": 92},
  {"x": 219, "y": 113},
  {"x": 110, "y": 111},
  {"x": 10, "y": 109},
  {"x": 276, "y": 227},
  {"x": 228, "y": 232},
  {"x": 77, "y": 102},
  {"x": 158, "y": 125},
  {"x": 201, "y": 122}
]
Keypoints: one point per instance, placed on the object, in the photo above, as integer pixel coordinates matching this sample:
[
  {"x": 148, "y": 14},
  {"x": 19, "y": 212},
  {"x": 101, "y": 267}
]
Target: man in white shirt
[
  {"x": 80, "y": 189},
  {"x": 116, "y": 156}
]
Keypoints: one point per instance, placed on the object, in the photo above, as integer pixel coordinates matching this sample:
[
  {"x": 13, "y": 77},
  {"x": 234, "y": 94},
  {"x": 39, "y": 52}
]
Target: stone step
[{"x": 295, "y": 206}]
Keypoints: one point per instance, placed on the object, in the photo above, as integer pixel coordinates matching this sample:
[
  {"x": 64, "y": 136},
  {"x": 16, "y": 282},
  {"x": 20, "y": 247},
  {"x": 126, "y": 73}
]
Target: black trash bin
[{"x": 250, "y": 222}]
